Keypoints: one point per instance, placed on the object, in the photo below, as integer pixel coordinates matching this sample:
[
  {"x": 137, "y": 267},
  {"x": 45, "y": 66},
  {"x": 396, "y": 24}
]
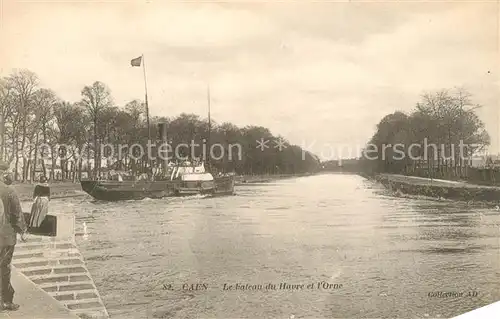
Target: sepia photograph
[{"x": 249, "y": 159}]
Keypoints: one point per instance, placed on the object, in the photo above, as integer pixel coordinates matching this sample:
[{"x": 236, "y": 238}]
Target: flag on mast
[{"x": 136, "y": 61}]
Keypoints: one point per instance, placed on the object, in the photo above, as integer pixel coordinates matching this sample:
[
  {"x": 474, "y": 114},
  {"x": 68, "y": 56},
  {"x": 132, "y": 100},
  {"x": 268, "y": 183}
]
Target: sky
[{"x": 320, "y": 74}]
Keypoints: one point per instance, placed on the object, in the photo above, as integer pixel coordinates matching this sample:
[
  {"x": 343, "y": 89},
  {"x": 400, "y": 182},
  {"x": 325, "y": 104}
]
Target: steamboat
[
  {"x": 185, "y": 179},
  {"x": 180, "y": 179}
]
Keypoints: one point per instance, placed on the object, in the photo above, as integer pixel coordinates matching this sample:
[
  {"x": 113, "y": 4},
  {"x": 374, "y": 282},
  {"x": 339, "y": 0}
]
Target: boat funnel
[{"x": 162, "y": 129}]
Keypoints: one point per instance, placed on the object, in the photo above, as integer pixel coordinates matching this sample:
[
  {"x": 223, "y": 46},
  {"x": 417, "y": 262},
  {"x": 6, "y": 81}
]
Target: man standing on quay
[{"x": 11, "y": 222}]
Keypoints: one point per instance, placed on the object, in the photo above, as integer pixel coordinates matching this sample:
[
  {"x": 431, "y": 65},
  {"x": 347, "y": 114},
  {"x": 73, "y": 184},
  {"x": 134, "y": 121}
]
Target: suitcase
[{"x": 47, "y": 228}]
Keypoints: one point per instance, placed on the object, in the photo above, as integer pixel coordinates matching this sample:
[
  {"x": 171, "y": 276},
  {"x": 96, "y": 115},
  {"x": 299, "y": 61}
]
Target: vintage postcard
[{"x": 249, "y": 159}]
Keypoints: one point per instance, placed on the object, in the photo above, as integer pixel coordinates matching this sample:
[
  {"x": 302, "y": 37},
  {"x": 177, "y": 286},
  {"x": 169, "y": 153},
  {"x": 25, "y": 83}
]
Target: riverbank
[
  {"x": 70, "y": 189},
  {"x": 58, "y": 269},
  {"x": 249, "y": 179},
  {"x": 438, "y": 188},
  {"x": 34, "y": 302},
  {"x": 57, "y": 190},
  {"x": 51, "y": 278}
]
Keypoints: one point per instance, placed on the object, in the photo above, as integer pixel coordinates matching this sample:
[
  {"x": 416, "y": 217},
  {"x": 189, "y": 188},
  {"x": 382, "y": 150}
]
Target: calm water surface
[{"x": 388, "y": 253}]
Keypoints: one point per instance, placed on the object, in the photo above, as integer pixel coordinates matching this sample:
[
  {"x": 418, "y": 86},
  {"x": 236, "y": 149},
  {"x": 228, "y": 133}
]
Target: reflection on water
[{"x": 388, "y": 252}]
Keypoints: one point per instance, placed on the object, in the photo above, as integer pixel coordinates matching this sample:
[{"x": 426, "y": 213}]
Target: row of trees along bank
[
  {"x": 31, "y": 115},
  {"x": 445, "y": 119}
]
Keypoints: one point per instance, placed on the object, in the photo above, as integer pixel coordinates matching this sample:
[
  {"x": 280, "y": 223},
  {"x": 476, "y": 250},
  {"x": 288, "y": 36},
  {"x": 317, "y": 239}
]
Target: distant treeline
[
  {"x": 437, "y": 139},
  {"x": 445, "y": 133},
  {"x": 350, "y": 165},
  {"x": 31, "y": 116}
]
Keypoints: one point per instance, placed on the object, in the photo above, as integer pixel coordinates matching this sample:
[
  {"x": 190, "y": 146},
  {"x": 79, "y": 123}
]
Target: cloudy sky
[{"x": 319, "y": 74}]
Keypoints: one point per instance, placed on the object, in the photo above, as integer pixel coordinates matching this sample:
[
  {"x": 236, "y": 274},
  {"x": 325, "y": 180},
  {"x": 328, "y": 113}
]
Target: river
[{"x": 374, "y": 255}]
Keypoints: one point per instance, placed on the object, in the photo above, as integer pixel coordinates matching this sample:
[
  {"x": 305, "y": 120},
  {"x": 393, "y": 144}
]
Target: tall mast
[
  {"x": 146, "y": 96},
  {"x": 209, "y": 126},
  {"x": 147, "y": 109},
  {"x": 137, "y": 63},
  {"x": 1, "y": 136}
]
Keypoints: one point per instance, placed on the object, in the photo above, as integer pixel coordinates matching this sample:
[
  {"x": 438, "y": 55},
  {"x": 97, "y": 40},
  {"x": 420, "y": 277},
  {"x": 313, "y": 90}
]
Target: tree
[
  {"x": 43, "y": 103},
  {"x": 24, "y": 83},
  {"x": 96, "y": 98},
  {"x": 31, "y": 116},
  {"x": 6, "y": 109},
  {"x": 443, "y": 120}
]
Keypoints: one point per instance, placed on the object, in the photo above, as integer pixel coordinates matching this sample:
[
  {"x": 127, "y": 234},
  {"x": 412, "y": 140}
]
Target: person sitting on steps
[{"x": 40, "y": 207}]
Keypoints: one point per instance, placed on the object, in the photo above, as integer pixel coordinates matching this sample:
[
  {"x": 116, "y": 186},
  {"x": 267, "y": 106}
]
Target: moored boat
[
  {"x": 175, "y": 180},
  {"x": 184, "y": 180}
]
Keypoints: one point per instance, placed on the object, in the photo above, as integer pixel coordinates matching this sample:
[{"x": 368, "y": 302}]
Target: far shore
[
  {"x": 57, "y": 190},
  {"x": 441, "y": 189},
  {"x": 251, "y": 179},
  {"x": 69, "y": 189}
]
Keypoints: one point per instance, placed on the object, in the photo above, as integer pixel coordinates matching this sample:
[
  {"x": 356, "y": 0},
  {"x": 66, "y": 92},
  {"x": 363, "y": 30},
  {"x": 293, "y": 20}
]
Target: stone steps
[
  {"x": 59, "y": 277},
  {"x": 41, "y": 261},
  {"x": 82, "y": 305},
  {"x": 44, "y": 244},
  {"x": 59, "y": 269},
  {"x": 82, "y": 301},
  {"x": 90, "y": 312},
  {"x": 67, "y": 286},
  {"x": 77, "y": 294}
]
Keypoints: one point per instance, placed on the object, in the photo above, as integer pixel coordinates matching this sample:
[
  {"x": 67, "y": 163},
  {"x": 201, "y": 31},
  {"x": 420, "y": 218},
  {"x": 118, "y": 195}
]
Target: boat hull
[{"x": 136, "y": 190}]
